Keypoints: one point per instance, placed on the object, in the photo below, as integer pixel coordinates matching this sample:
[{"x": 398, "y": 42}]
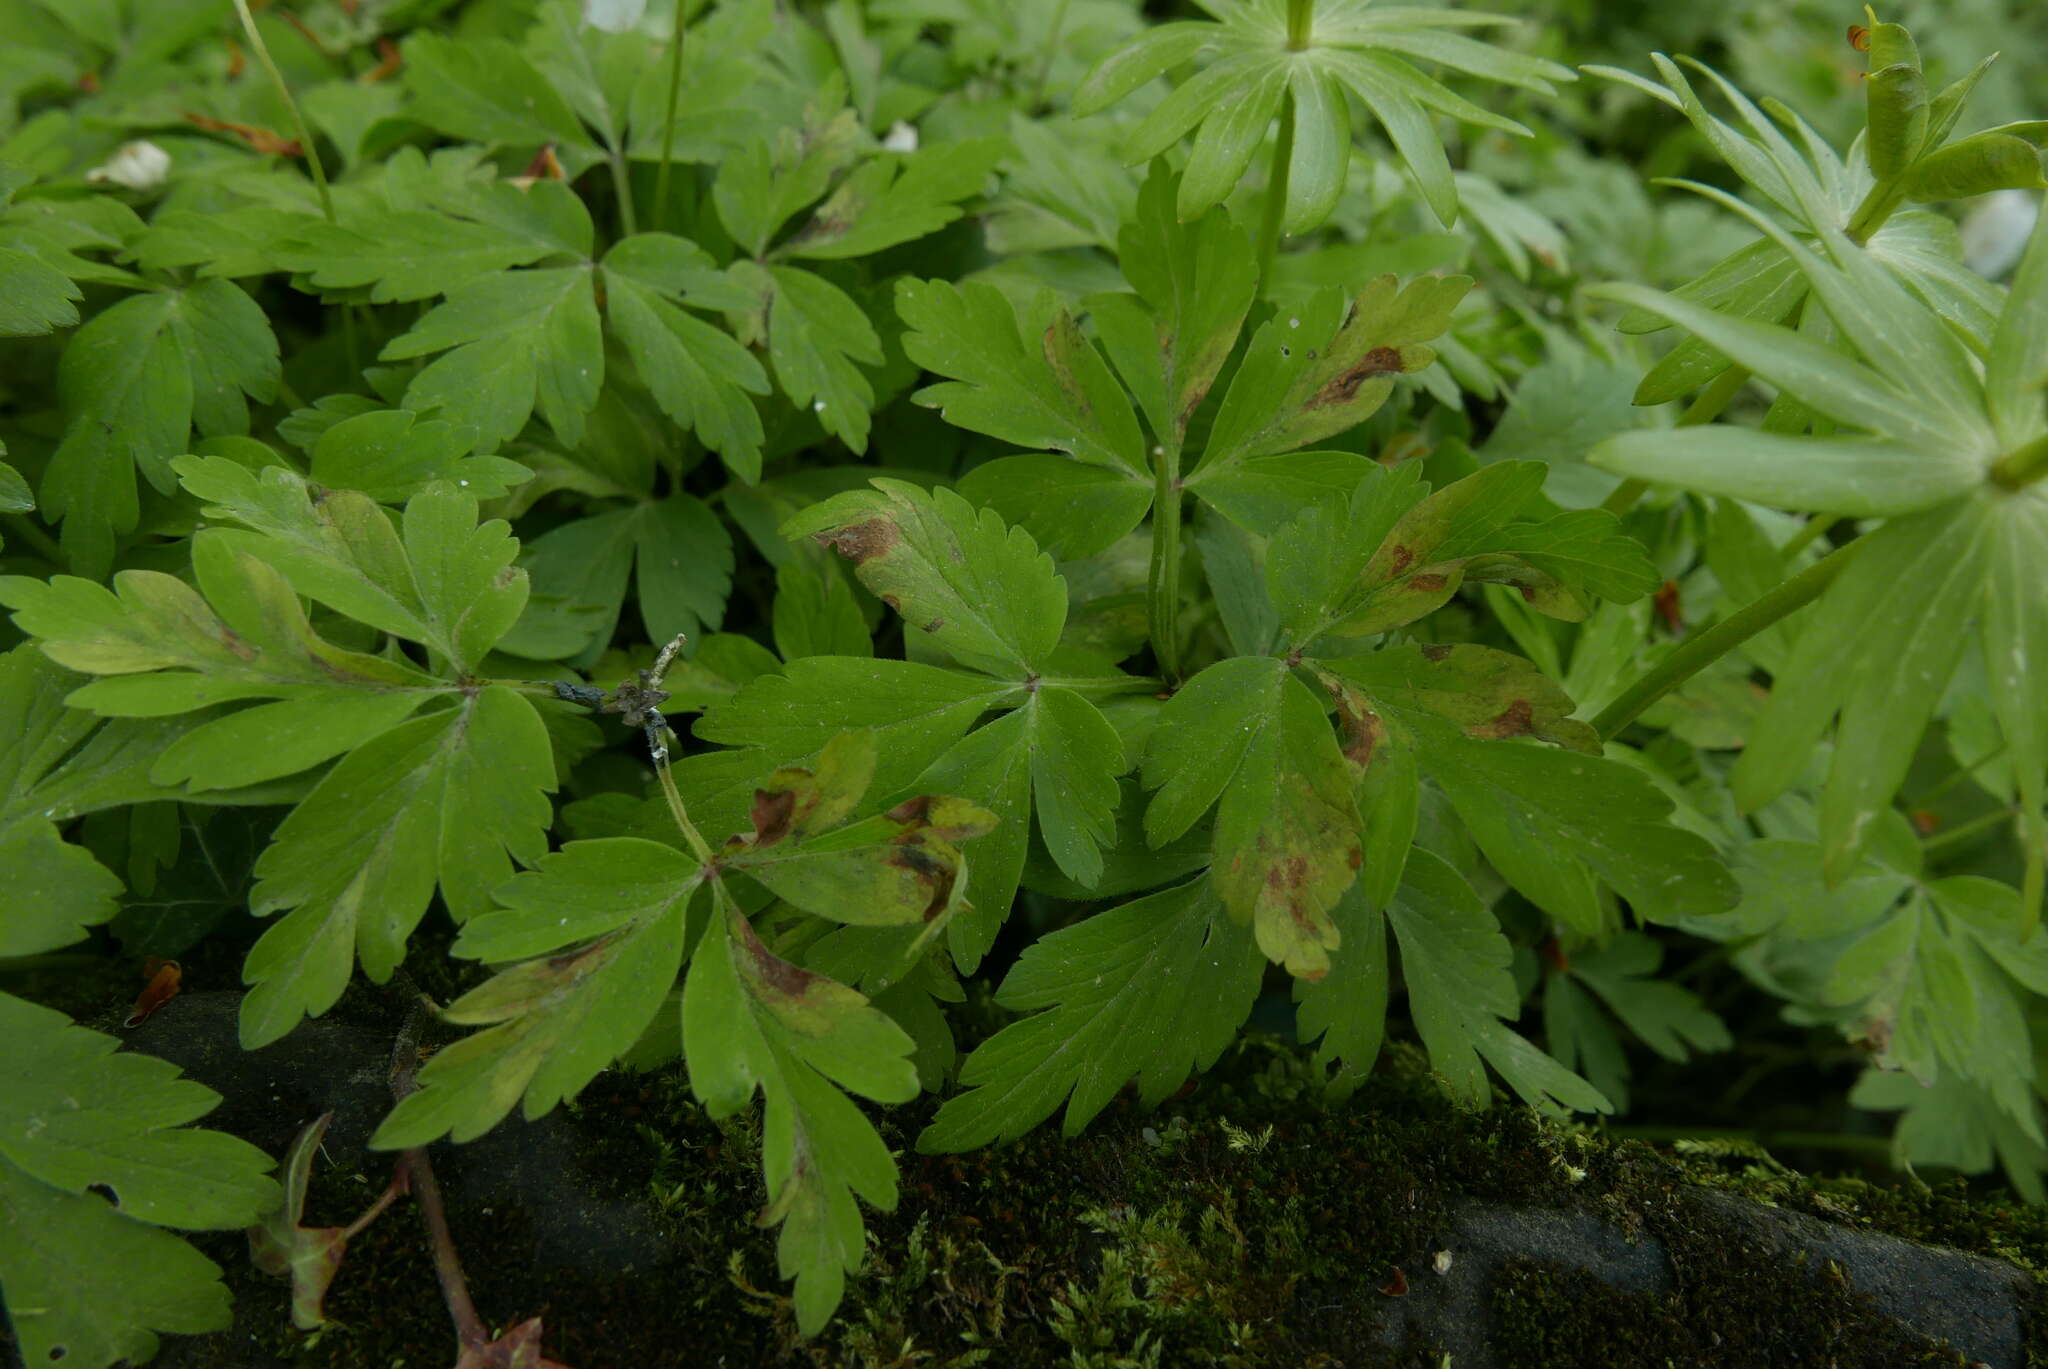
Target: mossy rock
[{"x": 1247, "y": 1223}]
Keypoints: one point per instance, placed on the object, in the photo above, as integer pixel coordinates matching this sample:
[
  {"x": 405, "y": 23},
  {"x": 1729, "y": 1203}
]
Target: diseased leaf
[
  {"x": 1314, "y": 372},
  {"x": 1249, "y": 737},
  {"x": 1194, "y": 285},
  {"x": 981, "y": 591},
  {"x": 1035, "y": 383}
]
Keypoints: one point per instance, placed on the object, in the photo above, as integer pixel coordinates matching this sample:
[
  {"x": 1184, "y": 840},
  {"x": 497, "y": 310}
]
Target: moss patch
[{"x": 1242, "y": 1225}]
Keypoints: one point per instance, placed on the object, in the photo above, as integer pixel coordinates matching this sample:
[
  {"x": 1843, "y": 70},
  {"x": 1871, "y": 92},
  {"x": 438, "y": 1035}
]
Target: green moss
[{"x": 1244, "y": 1225}]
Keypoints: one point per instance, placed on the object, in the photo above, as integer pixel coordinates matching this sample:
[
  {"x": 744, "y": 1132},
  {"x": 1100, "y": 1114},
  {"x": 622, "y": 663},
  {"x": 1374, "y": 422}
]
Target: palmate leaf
[
  {"x": 89, "y": 1278},
  {"x": 596, "y": 934},
  {"x": 818, "y": 339},
  {"x": 446, "y": 799},
  {"x": 990, "y": 599},
  {"x": 1965, "y": 519},
  {"x": 1667, "y": 1017},
  {"x": 1350, "y": 48},
  {"x": 1151, "y": 990},
  {"x": 133, "y": 383}
]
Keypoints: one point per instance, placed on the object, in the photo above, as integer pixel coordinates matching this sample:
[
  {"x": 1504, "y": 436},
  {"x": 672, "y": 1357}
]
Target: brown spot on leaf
[
  {"x": 771, "y": 815},
  {"x": 859, "y": 542},
  {"x": 910, "y": 810},
  {"x": 1355, "y": 857},
  {"x": 934, "y": 625},
  {"x": 1436, "y": 651},
  {"x": 893, "y": 602},
  {"x": 1667, "y": 607},
  {"x": 936, "y": 874},
  {"x": 232, "y": 640},
  {"x": 1403, "y": 557},
  {"x": 791, "y": 981},
  {"x": 1518, "y": 719},
  {"x": 1428, "y": 584},
  {"x": 1343, "y": 387}
]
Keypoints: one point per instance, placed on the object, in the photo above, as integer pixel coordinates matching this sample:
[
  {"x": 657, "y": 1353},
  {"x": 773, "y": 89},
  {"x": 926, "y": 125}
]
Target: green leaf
[
  {"x": 816, "y": 335},
  {"x": 1881, "y": 646},
  {"x": 1248, "y": 736},
  {"x": 1194, "y": 285},
  {"x": 816, "y": 614},
  {"x": 1035, "y": 383},
  {"x": 447, "y": 799},
  {"x": 414, "y": 254},
  {"x": 1153, "y": 990},
  {"x": 1317, "y": 371},
  {"x": 512, "y": 343},
  {"x": 1069, "y": 509},
  {"x": 764, "y": 182},
  {"x": 753, "y": 1020},
  {"x": 1553, "y": 823},
  {"x": 1455, "y": 961},
  {"x": 76, "y": 1115},
  {"x": 1856, "y": 476},
  {"x": 1345, "y": 1012},
  {"x": 982, "y": 592},
  {"x": 2018, "y": 360},
  {"x": 441, "y": 578},
  {"x": 390, "y": 455},
  {"x": 683, "y": 556},
  {"x": 2015, "y": 636},
  {"x": 597, "y": 929},
  {"x": 699, "y": 375},
  {"x": 1667, "y": 1017},
  {"x": 891, "y": 200},
  {"x": 89, "y": 1280},
  {"x": 133, "y": 382},
  {"x": 34, "y": 298},
  {"x": 483, "y": 90}
]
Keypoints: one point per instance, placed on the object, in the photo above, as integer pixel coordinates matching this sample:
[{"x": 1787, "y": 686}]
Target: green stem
[
  {"x": 1276, "y": 195},
  {"x": 1052, "y": 47},
  {"x": 699, "y": 848},
  {"x": 1697, "y": 653},
  {"x": 2022, "y": 466},
  {"x": 25, "y": 528},
  {"x": 1708, "y": 406},
  {"x": 1301, "y": 22},
  {"x": 1162, "y": 609},
  {"x": 1101, "y": 687},
  {"x": 1956, "y": 777},
  {"x": 284, "y": 93},
  {"x": 622, "y": 186},
  {"x": 1964, "y": 831},
  {"x": 668, "y": 128},
  {"x": 1815, "y": 528},
  {"x": 1625, "y": 496}
]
